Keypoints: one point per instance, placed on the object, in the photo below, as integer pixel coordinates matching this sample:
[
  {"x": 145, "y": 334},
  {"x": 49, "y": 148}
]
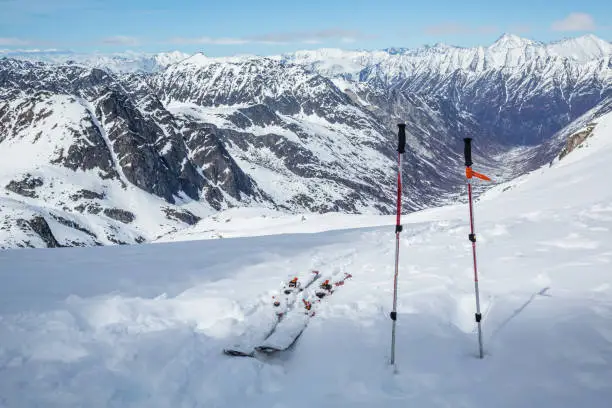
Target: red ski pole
[
  {"x": 469, "y": 173},
  {"x": 401, "y": 148}
]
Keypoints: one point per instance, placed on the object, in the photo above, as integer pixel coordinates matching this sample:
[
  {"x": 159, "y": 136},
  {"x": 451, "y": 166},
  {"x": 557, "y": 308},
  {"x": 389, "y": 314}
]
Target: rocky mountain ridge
[{"x": 97, "y": 155}]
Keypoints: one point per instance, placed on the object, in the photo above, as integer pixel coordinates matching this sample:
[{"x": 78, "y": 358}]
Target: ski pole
[
  {"x": 401, "y": 148},
  {"x": 469, "y": 173}
]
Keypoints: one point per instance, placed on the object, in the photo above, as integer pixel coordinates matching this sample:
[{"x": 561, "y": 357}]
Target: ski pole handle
[
  {"x": 467, "y": 151},
  {"x": 401, "y": 134}
]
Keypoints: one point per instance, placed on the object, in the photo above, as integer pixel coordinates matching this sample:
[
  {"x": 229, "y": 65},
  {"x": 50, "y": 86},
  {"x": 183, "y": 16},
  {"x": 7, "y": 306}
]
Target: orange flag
[{"x": 469, "y": 173}]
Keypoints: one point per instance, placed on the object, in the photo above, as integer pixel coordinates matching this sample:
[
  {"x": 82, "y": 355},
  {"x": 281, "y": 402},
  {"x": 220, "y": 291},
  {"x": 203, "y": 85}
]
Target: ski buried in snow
[
  {"x": 281, "y": 304},
  {"x": 292, "y": 327}
]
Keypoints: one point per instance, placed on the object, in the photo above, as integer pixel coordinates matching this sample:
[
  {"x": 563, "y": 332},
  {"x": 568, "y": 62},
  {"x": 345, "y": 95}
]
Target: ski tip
[
  {"x": 238, "y": 353},
  {"x": 267, "y": 349}
]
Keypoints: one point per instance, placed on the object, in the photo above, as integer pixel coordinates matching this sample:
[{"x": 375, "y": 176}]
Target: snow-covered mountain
[
  {"x": 508, "y": 51},
  {"x": 85, "y": 143},
  {"x": 520, "y": 90},
  {"x": 303, "y": 140},
  {"x": 141, "y": 146},
  {"x": 118, "y": 63}
]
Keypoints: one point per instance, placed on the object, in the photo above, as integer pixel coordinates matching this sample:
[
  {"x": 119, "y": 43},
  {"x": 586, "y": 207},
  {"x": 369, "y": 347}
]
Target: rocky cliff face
[{"x": 71, "y": 129}]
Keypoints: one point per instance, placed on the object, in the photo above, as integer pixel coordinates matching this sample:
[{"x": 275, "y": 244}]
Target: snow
[
  {"x": 200, "y": 60},
  {"x": 144, "y": 326},
  {"x": 125, "y": 62},
  {"x": 253, "y": 221},
  {"x": 508, "y": 51},
  {"x": 583, "y": 48},
  {"x": 332, "y": 61}
]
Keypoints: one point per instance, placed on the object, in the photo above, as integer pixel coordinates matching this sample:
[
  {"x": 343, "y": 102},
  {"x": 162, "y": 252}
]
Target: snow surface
[
  {"x": 144, "y": 326},
  {"x": 254, "y": 221}
]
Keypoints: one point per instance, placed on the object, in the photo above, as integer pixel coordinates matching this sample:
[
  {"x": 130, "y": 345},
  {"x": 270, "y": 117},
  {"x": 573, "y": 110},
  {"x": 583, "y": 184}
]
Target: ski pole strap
[
  {"x": 467, "y": 151},
  {"x": 401, "y": 135}
]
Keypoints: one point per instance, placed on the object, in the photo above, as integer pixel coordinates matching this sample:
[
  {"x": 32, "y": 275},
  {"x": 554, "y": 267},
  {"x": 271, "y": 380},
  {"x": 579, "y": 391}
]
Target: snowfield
[{"x": 144, "y": 326}]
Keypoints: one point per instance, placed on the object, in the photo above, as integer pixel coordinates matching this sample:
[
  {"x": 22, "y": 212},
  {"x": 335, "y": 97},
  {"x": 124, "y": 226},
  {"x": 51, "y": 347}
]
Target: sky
[{"x": 265, "y": 27}]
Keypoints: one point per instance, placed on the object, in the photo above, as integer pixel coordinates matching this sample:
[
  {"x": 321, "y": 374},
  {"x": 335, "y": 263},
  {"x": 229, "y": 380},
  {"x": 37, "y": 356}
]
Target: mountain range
[{"x": 99, "y": 149}]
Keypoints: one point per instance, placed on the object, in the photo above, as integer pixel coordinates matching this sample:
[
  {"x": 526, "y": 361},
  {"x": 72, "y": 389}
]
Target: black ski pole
[{"x": 401, "y": 148}]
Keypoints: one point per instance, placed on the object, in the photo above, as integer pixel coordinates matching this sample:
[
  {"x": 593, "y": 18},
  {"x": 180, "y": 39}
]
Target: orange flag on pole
[{"x": 469, "y": 173}]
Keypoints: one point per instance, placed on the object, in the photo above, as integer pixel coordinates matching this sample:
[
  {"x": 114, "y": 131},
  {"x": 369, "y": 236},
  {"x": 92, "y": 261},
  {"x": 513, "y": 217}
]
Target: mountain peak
[
  {"x": 593, "y": 40},
  {"x": 509, "y": 41},
  {"x": 584, "y": 48},
  {"x": 591, "y": 37}
]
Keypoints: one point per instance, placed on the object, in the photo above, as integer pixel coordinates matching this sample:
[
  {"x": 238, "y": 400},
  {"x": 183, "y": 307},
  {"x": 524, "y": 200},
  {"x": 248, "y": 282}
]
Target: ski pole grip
[
  {"x": 401, "y": 135},
  {"x": 467, "y": 151}
]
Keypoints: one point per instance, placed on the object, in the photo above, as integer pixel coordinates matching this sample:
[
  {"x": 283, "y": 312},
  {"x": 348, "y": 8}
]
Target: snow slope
[
  {"x": 251, "y": 222},
  {"x": 143, "y": 326}
]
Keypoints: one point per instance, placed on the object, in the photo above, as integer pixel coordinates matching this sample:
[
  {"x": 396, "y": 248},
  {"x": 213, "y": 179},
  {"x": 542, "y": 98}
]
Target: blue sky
[{"x": 227, "y": 27}]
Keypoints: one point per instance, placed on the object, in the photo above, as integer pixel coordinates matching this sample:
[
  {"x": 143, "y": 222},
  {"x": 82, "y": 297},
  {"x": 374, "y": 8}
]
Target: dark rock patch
[
  {"x": 91, "y": 208},
  {"x": 183, "y": 215},
  {"x": 575, "y": 140},
  {"x": 39, "y": 225},
  {"x": 72, "y": 224},
  {"x": 26, "y": 187},
  {"x": 118, "y": 214},
  {"x": 88, "y": 195}
]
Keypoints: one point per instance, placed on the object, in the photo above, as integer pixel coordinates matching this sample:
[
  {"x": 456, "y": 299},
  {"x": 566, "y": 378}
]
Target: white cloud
[
  {"x": 11, "y": 42},
  {"x": 120, "y": 40},
  {"x": 575, "y": 22}
]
